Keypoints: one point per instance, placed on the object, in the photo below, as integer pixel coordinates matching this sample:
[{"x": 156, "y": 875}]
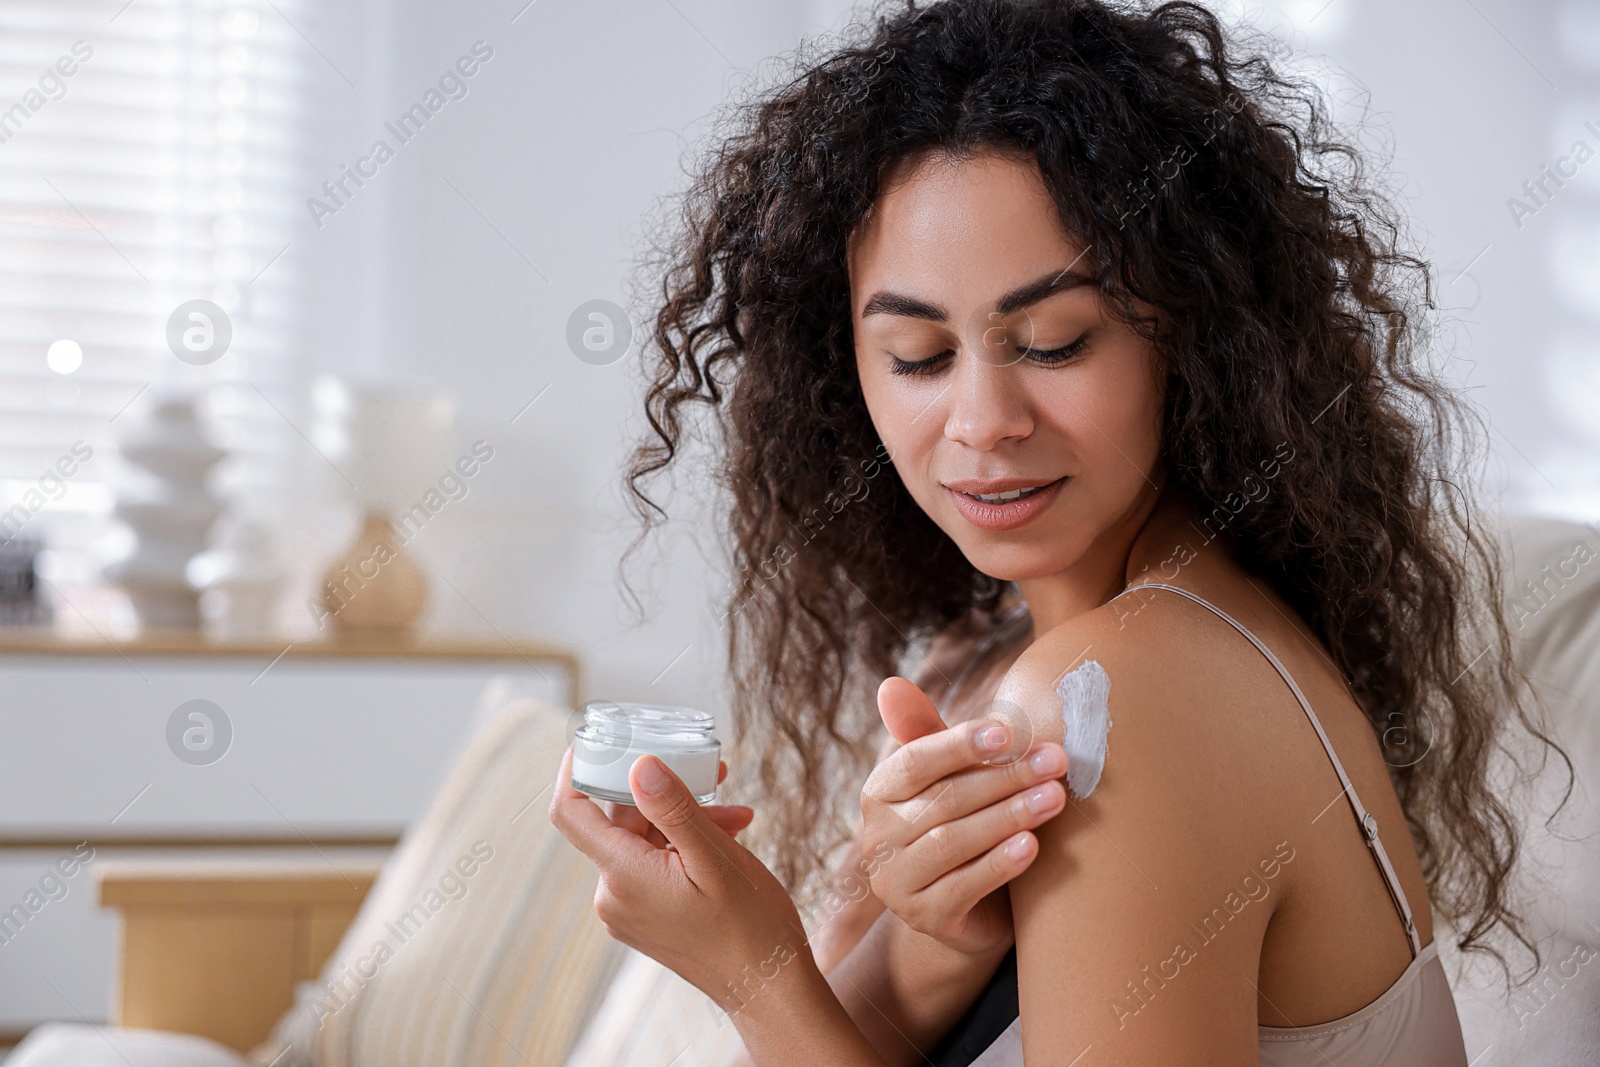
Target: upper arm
[{"x": 1139, "y": 925}]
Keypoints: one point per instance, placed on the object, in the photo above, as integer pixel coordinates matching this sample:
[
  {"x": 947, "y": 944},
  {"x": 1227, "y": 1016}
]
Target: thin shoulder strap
[{"x": 1367, "y": 821}]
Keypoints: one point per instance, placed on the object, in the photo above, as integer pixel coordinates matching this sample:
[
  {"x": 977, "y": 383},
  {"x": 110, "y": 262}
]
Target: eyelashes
[
  {"x": 917, "y": 366},
  {"x": 1048, "y": 357}
]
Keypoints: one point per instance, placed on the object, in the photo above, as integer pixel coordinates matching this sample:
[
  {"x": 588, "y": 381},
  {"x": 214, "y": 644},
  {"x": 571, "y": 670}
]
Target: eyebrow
[{"x": 888, "y": 303}]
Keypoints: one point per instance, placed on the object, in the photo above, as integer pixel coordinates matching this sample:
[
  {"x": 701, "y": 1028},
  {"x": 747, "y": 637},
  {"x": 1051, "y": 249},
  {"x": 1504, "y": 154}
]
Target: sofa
[{"x": 477, "y": 943}]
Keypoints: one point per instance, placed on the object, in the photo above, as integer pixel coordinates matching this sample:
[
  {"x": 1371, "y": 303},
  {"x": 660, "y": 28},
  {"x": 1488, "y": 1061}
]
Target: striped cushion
[
  {"x": 652, "y": 1018},
  {"x": 478, "y": 944}
]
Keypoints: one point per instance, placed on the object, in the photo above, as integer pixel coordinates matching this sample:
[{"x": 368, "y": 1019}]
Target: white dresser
[{"x": 319, "y": 746}]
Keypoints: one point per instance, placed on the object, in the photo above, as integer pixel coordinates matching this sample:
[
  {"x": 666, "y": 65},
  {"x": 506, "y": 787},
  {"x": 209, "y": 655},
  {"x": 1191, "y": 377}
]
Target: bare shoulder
[
  {"x": 1158, "y": 880},
  {"x": 1146, "y": 664},
  {"x": 1158, "y": 691}
]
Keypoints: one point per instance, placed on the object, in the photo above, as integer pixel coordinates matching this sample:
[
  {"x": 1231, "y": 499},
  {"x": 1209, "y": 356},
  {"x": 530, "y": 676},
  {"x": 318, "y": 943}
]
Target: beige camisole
[{"x": 1412, "y": 1024}]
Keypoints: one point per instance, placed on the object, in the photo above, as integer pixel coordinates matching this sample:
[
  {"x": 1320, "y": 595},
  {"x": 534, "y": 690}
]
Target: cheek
[
  {"x": 1130, "y": 415},
  {"x": 1110, "y": 413},
  {"x": 906, "y": 423}
]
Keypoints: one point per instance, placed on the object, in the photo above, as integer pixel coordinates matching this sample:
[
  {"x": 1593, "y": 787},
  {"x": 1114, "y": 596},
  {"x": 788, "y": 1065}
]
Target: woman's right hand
[{"x": 946, "y": 819}]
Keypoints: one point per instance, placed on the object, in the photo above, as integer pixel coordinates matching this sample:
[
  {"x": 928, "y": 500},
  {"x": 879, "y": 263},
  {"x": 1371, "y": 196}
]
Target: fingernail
[
  {"x": 652, "y": 776},
  {"x": 992, "y": 738},
  {"x": 1017, "y": 847},
  {"x": 1047, "y": 761},
  {"x": 1040, "y": 800}
]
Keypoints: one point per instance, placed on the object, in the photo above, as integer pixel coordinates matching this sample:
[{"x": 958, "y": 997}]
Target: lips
[{"x": 1003, "y": 515}]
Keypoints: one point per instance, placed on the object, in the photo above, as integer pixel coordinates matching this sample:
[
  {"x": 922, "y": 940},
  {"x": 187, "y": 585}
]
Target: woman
[{"x": 1069, "y": 306}]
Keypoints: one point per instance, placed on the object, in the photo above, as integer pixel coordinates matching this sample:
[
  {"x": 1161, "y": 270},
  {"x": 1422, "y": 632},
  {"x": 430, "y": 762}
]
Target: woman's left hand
[{"x": 701, "y": 903}]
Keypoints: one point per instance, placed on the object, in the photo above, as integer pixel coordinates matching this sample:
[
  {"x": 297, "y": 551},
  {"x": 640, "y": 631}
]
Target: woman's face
[{"x": 988, "y": 366}]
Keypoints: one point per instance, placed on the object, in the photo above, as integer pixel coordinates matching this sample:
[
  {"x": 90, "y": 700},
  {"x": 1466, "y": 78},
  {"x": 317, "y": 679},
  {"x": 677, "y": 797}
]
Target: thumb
[
  {"x": 663, "y": 799},
  {"x": 906, "y": 710}
]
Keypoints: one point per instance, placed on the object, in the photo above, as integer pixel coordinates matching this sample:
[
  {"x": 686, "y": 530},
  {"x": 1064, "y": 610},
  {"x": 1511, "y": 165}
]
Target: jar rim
[
  {"x": 638, "y": 711},
  {"x": 619, "y": 721}
]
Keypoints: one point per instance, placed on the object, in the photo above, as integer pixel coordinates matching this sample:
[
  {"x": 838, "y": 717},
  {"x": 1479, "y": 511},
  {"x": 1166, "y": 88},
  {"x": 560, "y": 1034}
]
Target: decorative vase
[
  {"x": 392, "y": 436},
  {"x": 163, "y": 498},
  {"x": 374, "y": 589},
  {"x": 243, "y": 579}
]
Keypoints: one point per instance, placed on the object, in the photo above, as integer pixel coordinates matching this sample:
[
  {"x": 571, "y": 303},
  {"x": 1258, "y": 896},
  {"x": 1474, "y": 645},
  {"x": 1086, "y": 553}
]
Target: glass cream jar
[{"x": 615, "y": 733}]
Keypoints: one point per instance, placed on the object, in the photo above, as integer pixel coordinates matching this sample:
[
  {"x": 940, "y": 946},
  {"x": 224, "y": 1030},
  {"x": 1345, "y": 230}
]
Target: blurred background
[{"x": 278, "y": 276}]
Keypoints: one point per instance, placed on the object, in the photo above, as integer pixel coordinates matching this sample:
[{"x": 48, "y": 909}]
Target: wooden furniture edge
[
  {"x": 156, "y": 642},
  {"x": 175, "y": 883},
  {"x": 21, "y": 641},
  {"x": 12, "y": 842},
  {"x": 216, "y": 947}
]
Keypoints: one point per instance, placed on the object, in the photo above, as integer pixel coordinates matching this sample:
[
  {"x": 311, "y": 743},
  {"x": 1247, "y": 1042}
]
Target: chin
[{"x": 1020, "y": 559}]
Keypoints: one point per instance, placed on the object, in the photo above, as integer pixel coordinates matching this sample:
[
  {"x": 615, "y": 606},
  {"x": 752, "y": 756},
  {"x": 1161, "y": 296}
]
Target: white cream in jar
[{"x": 615, "y": 733}]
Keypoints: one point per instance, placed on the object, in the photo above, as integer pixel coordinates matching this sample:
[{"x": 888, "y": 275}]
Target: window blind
[{"x": 149, "y": 156}]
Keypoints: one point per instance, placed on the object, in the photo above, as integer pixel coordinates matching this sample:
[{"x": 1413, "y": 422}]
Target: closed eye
[
  {"x": 918, "y": 366},
  {"x": 1048, "y": 357}
]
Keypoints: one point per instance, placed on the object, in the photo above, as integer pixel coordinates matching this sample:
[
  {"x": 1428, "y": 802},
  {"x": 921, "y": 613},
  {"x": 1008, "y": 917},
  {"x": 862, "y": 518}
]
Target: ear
[{"x": 906, "y": 710}]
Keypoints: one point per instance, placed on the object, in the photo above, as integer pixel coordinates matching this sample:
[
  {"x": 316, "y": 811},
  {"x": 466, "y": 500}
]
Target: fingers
[
  {"x": 949, "y": 845},
  {"x": 629, "y": 818},
  {"x": 730, "y": 817},
  {"x": 581, "y": 821},
  {"x": 959, "y": 891},
  {"x": 906, "y": 710},
  {"x": 667, "y": 803},
  {"x": 925, "y": 760},
  {"x": 972, "y": 790}
]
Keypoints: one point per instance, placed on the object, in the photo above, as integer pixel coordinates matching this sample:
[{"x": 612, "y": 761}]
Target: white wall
[{"x": 1474, "y": 99}]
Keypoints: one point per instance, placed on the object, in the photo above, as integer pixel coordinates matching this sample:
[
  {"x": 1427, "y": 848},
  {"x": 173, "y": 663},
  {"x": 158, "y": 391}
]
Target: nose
[{"x": 987, "y": 402}]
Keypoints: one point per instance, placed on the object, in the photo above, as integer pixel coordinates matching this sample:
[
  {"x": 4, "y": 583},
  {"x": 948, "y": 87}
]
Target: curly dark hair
[{"x": 1206, "y": 184}]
